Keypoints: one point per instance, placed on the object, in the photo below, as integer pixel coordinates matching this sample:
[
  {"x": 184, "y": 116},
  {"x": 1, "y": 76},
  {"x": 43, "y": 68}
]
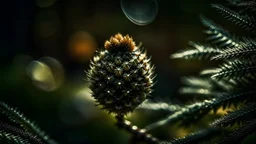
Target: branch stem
[{"x": 138, "y": 134}]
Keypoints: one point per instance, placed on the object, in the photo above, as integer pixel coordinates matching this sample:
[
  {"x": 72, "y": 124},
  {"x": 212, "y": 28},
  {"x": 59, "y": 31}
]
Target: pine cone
[{"x": 120, "y": 76}]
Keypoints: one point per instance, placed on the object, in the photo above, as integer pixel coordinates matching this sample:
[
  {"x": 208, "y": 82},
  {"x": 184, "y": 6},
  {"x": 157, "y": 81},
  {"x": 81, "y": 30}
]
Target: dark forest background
[{"x": 69, "y": 31}]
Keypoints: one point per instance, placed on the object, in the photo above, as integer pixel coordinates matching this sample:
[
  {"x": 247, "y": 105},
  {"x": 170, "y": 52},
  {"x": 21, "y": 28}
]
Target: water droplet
[{"x": 140, "y": 12}]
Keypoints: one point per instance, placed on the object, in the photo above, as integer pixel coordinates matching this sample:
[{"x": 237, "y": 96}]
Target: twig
[{"x": 139, "y": 134}]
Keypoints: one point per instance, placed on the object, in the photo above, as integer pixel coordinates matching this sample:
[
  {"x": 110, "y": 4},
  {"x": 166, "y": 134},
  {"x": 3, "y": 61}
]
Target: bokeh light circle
[
  {"x": 82, "y": 46},
  {"x": 46, "y": 73},
  {"x": 140, "y": 12}
]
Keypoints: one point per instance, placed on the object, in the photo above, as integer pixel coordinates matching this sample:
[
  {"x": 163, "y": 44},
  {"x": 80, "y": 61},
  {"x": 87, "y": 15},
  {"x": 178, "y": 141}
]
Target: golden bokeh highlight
[
  {"x": 82, "y": 46},
  {"x": 46, "y": 73}
]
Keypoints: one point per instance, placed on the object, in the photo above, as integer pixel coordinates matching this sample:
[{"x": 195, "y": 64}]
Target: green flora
[{"x": 121, "y": 78}]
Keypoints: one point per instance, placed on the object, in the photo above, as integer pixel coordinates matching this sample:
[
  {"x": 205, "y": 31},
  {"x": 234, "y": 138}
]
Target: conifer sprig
[
  {"x": 217, "y": 35},
  {"x": 27, "y": 130},
  {"x": 244, "y": 21},
  {"x": 241, "y": 115},
  {"x": 198, "y": 51}
]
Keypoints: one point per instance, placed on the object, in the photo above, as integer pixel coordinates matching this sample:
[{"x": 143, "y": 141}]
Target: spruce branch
[
  {"x": 235, "y": 70},
  {"x": 204, "y": 86},
  {"x": 197, "y": 82},
  {"x": 207, "y": 93},
  {"x": 198, "y": 86},
  {"x": 217, "y": 35},
  {"x": 158, "y": 106},
  {"x": 246, "y": 50},
  {"x": 198, "y": 110},
  {"x": 9, "y": 138},
  {"x": 20, "y": 133},
  {"x": 199, "y": 52},
  {"x": 249, "y": 5},
  {"x": 234, "y": 2},
  {"x": 243, "y": 114},
  {"x": 239, "y": 134},
  {"x": 244, "y": 21},
  {"x": 18, "y": 118},
  {"x": 197, "y": 137}
]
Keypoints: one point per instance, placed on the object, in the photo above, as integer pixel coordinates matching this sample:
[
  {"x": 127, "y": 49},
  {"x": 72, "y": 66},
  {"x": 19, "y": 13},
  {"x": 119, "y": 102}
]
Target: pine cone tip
[{"x": 119, "y": 42}]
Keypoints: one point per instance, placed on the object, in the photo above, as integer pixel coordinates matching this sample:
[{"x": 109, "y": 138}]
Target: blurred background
[{"x": 46, "y": 46}]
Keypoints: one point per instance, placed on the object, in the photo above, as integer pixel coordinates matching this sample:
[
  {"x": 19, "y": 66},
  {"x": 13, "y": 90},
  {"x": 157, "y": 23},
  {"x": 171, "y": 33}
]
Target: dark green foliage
[
  {"x": 239, "y": 134},
  {"x": 217, "y": 35},
  {"x": 20, "y": 134},
  {"x": 230, "y": 85},
  {"x": 15, "y": 128},
  {"x": 249, "y": 5},
  {"x": 8, "y": 138},
  {"x": 204, "y": 86},
  {"x": 246, "y": 50},
  {"x": 236, "y": 70},
  {"x": 199, "y": 52},
  {"x": 244, "y": 21},
  {"x": 238, "y": 116},
  {"x": 195, "y": 111},
  {"x": 120, "y": 77},
  {"x": 197, "y": 137}
]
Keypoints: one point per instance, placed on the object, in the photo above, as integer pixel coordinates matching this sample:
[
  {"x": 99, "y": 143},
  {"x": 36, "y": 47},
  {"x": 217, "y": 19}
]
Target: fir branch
[
  {"x": 217, "y": 35},
  {"x": 22, "y": 134},
  {"x": 209, "y": 71},
  {"x": 238, "y": 116},
  {"x": 243, "y": 21},
  {"x": 159, "y": 106},
  {"x": 18, "y": 118},
  {"x": 200, "y": 52},
  {"x": 197, "y": 82},
  {"x": 249, "y": 5},
  {"x": 239, "y": 134},
  {"x": 234, "y": 2},
  {"x": 197, "y": 110},
  {"x": 207, "y": 93},
  {"x": 235, "y": 70},
  {"x": 204, "y": 86},
  {"x": 224, "y": 85},
  {"x": 246, "y": 50},
  {"x": 9, "y": 138},
  {"x": 202, "y": 135}
]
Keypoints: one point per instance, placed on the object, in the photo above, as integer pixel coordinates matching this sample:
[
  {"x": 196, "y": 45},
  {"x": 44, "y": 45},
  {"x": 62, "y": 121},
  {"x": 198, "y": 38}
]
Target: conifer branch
[
  {"x": 9, "y": 138},
  {"x": 199, "y": 52},
  {"x": 159, "y": 106},
  {"x": 23, "y": 135},
  {"x": 217, "y": 35},
  {"x": 197, "y": 137},
  {"x": 244, "y": 21},
  {"x": 243, "y": 114},
  {"x": 246, "y": 50},
  {"x": 235, "y": 70},
  {"x": 198, "y": 110},
  {"x": 239, "y": 134},
  {"x": 18, "y": 118},
  {"x": 249, "y": 5}
]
